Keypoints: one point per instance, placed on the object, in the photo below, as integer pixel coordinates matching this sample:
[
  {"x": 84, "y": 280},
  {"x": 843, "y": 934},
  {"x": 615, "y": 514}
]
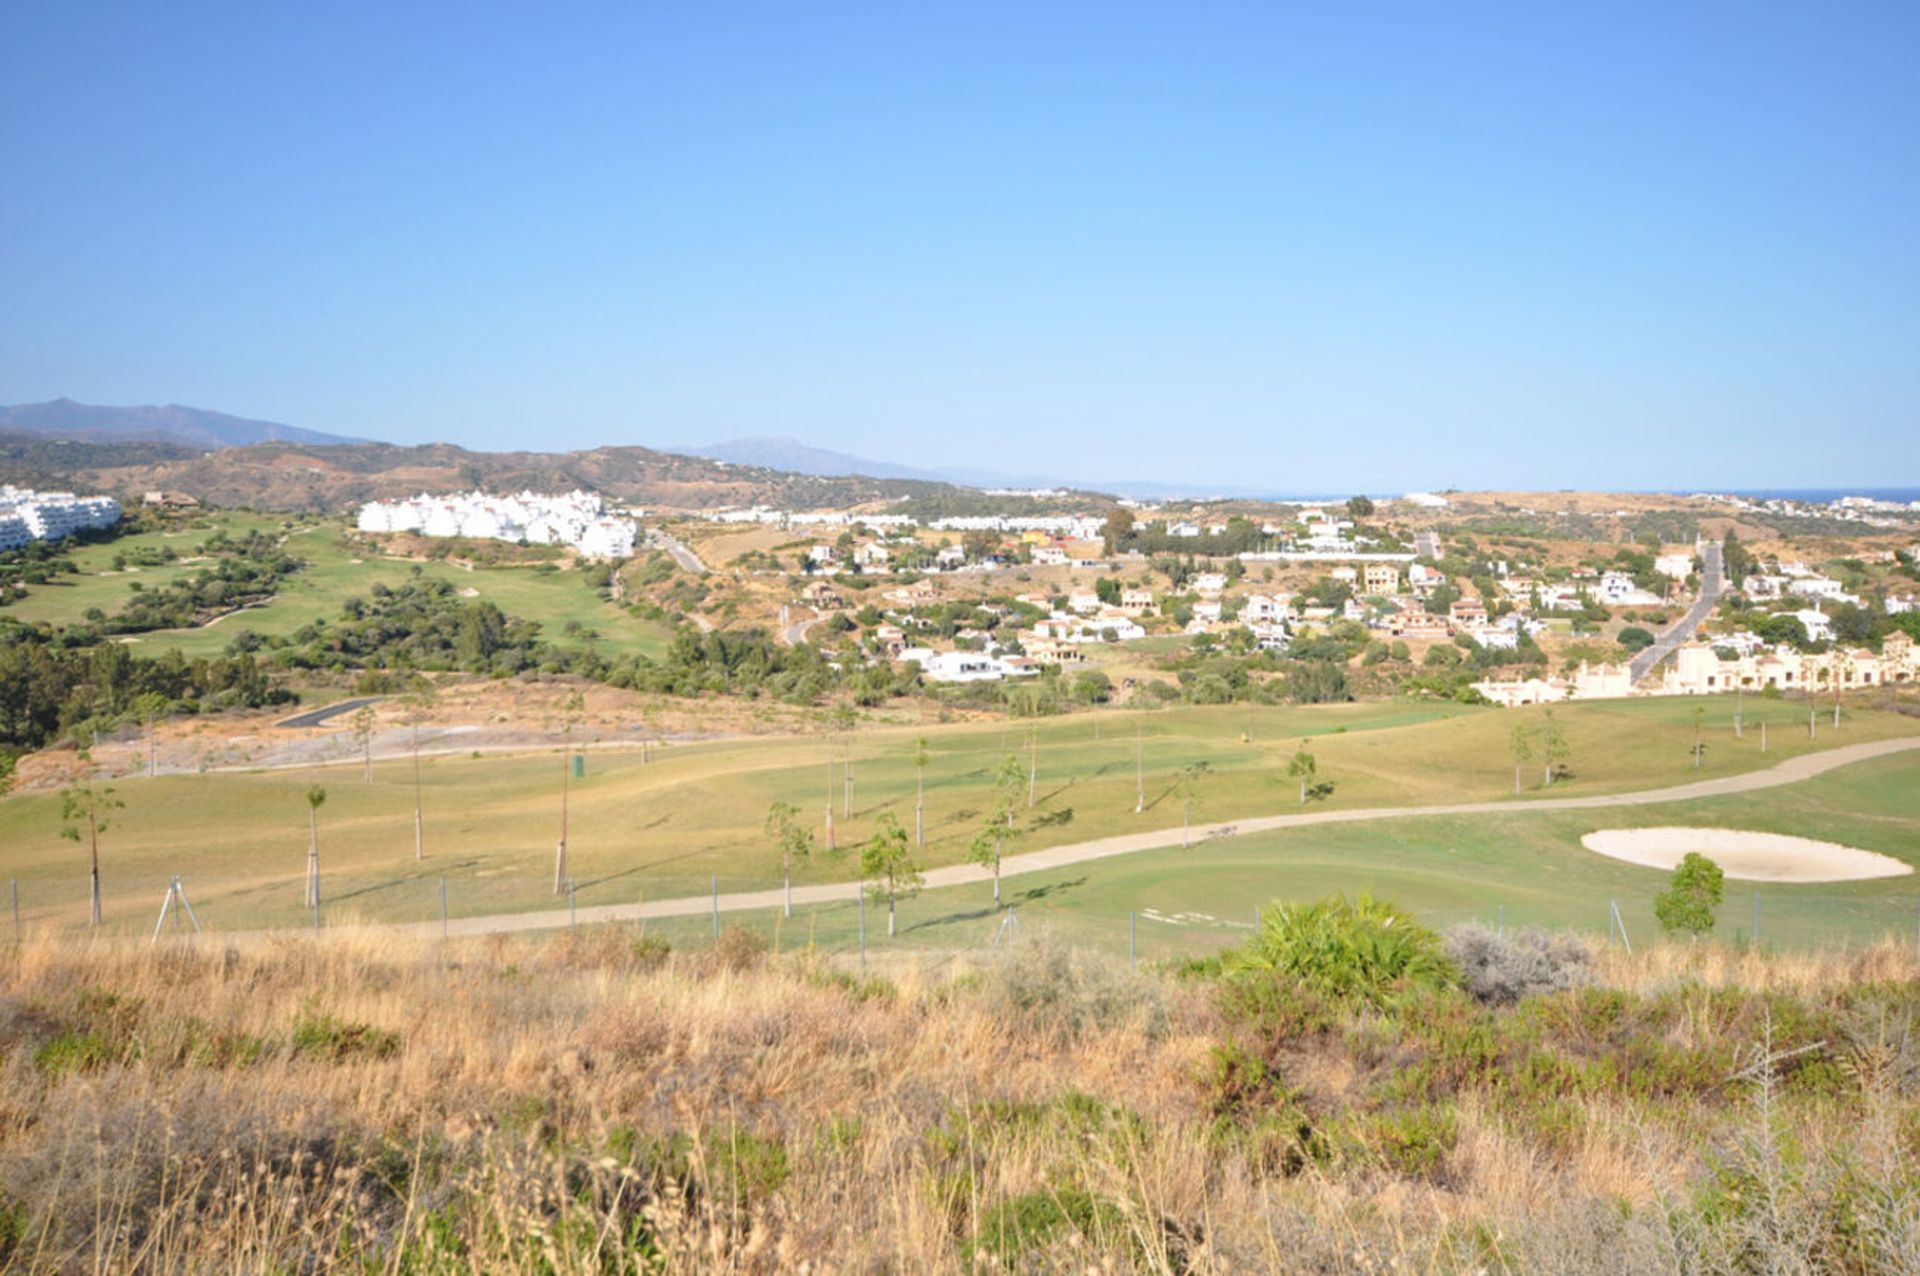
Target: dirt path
[{"x": 1791, "y": 771}]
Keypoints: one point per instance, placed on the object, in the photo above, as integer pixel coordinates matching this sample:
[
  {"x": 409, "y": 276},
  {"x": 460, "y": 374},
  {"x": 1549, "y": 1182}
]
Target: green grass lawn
[
  {"x": 1526, "y": 868},
  {"x": 663, "y": 828},
  {"x": 335, "y": 571}
]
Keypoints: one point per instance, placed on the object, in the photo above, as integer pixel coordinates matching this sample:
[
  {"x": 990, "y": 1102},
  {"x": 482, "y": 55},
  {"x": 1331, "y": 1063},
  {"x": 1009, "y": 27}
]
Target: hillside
[
  {"x": 171, "y": 423},
  {"x": 336, "y": 477},
  {"x": 599, "y": 1102}
]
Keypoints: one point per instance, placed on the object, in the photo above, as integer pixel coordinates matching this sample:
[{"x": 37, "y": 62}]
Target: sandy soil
[{"x": 1745, "y": 856}]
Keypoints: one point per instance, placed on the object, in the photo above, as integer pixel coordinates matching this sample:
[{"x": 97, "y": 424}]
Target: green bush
[
  {"x": 1360, "y": 949},
  {"x": 1023, "y": 1230},
  {"x": 324, "y": 1038}
]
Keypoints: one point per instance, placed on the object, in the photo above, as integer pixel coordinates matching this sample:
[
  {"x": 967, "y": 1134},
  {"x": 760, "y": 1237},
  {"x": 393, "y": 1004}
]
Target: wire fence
[{"x": 689, "y": 911}]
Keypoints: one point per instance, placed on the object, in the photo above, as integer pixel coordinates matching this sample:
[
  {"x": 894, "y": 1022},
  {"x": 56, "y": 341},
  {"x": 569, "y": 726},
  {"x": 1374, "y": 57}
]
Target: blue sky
[{"x": 1306, "y": 247}]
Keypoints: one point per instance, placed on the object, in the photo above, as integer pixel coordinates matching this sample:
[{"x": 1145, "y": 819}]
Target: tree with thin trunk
[
  {"x": 1520, "y": 744},
  {"x": 149, "y": 706},
  {"x": 1302, "y": 767},
  {"x": 1554, "y": 748},
  {"x": 1699, "y": 745},
  {"x": 920, "y": 759},
  {"x": 1186, "y": 786},
  {"x": 1033, "y": 760},
  {"x": 362, "y": 720},
  {"x": 316, "y": 798},
  {"x": 886, "y": 861},
  {"x": 843, "y": 721},
  {"x": 794, "y": 842},
  {"x": 420, "y": 700},
  {"x": 571, "y": 710},
  {"x": 85, "y": 805},
  {"x": 1002, "y": 823},
  {"x": 830, "y": 840},
  {"x": 1139, "y": 768}
]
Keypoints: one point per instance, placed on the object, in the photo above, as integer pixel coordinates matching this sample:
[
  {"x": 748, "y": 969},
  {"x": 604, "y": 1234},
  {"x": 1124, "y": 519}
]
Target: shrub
[
  {"x": 73, "y": 1051},
  {"x": 1072, "y": 991},
  {"x": 330, "y": 1040},
  {"x": 1499, "y": 968},
  {"x": 1024, "y": 1230},
  {"x": 738, "y": 950},
  {"x": 1691, "y": 897},
  {"x": 1360, "y": 949}
]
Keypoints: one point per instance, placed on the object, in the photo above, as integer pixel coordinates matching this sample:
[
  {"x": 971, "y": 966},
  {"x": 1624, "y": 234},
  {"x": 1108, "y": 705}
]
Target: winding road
[
  {"x": 314, "y": 717},
  {"x": 1791, "y": 771},
  {"x": 1711, "y": 583},
  {"x": 688, "y": 560}
]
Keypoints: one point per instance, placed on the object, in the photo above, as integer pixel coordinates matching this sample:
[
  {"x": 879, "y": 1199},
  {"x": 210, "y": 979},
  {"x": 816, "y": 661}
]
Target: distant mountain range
[
  {"x": 796, "y": 457},
  {"x": 173, "y": 423},
  {"x": 64, "y": 422}
]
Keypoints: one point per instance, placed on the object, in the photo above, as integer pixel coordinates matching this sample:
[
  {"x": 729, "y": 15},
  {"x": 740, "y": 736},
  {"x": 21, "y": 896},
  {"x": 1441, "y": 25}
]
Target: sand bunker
[{"x": 1749, "y": 857}]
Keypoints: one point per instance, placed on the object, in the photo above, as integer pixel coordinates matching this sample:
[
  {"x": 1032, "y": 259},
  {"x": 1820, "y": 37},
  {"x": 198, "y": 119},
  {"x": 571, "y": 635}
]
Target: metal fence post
[
  {"x": 316, "y": 910},
  {"x": 443, "y": 908}
]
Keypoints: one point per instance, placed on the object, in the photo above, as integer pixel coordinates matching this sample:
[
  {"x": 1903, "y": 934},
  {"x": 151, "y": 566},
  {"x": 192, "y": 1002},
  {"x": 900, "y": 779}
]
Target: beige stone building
[{"x": 1697, "y": 669}]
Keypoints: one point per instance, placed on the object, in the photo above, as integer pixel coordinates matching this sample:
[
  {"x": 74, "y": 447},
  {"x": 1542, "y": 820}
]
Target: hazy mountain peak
[{"x": 63, "y": 418}]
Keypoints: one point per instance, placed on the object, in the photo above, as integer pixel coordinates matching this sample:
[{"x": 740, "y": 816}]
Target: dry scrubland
[{"x": 592, "y": 1103}]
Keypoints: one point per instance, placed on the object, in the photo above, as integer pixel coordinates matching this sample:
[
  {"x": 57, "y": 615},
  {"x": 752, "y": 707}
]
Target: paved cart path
[{"x": 1791, "y": 771}]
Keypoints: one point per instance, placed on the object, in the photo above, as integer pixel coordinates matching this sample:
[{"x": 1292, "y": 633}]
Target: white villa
[
  {"x": 1589, "y": 682},
  {"x": 965, "y": 666},
  {"x": 1674, "y": 566}
]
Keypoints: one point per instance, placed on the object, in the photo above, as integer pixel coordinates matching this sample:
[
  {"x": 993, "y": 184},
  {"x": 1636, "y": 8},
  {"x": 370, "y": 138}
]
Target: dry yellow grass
[{"x": 589, "y": 1104}]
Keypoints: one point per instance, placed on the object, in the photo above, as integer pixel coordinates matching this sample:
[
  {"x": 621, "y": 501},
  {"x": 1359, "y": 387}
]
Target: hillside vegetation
[
  {"x": 333, "y": 478},
  {"x": 597, "y": 1103}
]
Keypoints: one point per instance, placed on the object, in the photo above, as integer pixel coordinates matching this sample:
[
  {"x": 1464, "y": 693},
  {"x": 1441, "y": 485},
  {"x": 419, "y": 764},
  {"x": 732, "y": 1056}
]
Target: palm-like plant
[{"x": 1361, "y": 949}]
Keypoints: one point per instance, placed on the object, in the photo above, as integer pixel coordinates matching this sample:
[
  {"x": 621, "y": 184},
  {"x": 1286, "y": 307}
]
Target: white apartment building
[
  {"x": 50, "y": 516},
  {"x": 577, "y": 519}
]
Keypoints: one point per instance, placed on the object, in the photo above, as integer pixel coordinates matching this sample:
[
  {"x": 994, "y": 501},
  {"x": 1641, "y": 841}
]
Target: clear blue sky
[{"x": 1307, "y": 247}]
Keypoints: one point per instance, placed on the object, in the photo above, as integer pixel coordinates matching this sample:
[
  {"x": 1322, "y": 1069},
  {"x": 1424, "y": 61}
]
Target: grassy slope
[
  {"x": 663, "y": 828},
  {"x": 1526, "y": 867},
  {"x": 334, "y": 573},
  {"x": 65, "y": 601}
]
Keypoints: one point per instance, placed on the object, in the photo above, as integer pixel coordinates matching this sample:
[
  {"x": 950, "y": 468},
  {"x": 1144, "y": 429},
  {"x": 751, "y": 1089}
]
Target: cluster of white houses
[
  {"x": 27, "y": 515},
  {"x": 577, "y": 519}
]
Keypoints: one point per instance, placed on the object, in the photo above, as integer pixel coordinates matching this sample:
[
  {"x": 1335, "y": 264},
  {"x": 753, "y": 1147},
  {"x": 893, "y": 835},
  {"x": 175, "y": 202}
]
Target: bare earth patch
[{"x": 1748, "y": 857}]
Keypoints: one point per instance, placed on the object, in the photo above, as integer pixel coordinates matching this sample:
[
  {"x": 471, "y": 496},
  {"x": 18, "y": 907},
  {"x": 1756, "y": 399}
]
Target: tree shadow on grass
[
  {"x": 1013, "y": 899},
  {"x": 591, "y": 882}
]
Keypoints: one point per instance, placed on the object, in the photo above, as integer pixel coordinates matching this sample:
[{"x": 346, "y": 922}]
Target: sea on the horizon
[{"x": 1827, "y": 495}]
